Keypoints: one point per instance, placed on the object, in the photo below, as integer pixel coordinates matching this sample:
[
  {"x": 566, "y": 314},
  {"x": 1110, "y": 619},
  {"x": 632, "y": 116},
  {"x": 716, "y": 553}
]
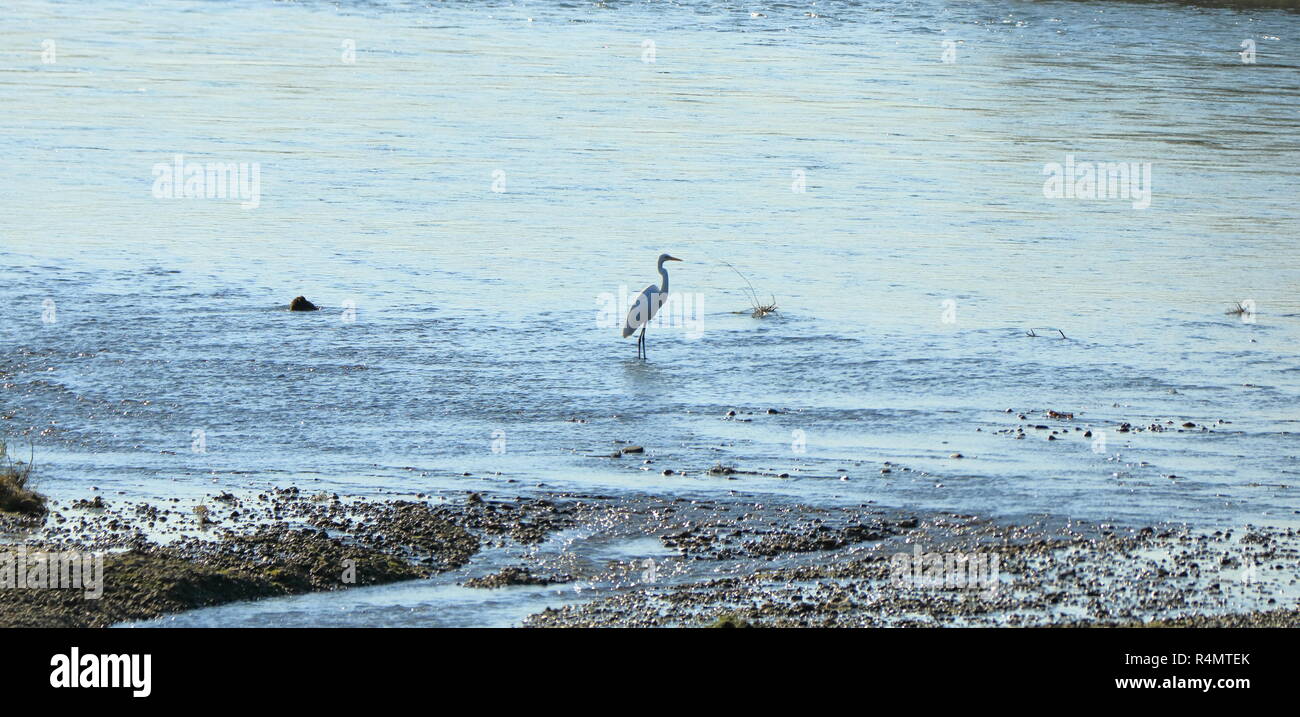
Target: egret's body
[{"x": 645, "y": 306}]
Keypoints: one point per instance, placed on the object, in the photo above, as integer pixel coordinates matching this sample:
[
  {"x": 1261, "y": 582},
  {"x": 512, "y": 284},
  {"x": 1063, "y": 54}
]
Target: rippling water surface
[{"x": 907, "y": 272}]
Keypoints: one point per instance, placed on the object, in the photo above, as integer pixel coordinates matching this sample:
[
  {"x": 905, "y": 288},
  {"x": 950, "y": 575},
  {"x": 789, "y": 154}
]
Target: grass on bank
[{"x": 15, "y": 496}]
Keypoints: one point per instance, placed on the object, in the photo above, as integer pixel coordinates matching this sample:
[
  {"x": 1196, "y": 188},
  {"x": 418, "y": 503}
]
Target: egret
[{"x": 646, "y": 304}]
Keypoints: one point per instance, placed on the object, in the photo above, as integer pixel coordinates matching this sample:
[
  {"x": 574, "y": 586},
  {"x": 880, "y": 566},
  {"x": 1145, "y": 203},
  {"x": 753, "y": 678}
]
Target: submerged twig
[{"x": 1034, "y": 334}]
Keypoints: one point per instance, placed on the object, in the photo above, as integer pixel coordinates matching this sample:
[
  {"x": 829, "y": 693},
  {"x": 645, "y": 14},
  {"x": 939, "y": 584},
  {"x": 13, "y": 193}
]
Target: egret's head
[{"x": 667, "y": 257}]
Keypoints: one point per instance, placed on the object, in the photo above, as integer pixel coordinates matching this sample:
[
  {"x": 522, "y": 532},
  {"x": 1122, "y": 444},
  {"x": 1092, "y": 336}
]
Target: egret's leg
[{"x": 641, "y": 342}]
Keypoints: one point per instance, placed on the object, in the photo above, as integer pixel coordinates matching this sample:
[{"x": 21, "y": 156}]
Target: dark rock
[
  {"x": 514, "y": 575},
  {"x": 300, "y": 303}
]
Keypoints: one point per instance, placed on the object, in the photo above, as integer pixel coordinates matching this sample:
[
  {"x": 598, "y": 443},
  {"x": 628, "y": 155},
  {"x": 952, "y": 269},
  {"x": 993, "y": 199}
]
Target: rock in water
[{"x": 300, "y": 303}]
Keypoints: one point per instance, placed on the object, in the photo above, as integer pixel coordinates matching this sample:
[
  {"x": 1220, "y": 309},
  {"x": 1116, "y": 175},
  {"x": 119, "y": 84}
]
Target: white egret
[{"x": 646, "y": 304}]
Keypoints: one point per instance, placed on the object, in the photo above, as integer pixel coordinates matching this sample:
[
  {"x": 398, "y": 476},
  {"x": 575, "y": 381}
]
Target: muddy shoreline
[
  {"x": 724, "y": 561},
  {"x": 160, "y": 560}
]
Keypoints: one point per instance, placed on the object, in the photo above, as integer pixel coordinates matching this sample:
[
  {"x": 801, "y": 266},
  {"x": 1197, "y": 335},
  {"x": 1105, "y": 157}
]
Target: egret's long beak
[{"x": 672, "y": 258}]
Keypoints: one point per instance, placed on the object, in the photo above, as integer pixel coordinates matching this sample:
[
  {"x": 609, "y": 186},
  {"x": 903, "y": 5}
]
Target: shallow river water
[{"x": 467, "y": 188}]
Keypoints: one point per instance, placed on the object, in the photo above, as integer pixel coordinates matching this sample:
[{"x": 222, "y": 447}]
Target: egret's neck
[{"x": 664, "y": 273}]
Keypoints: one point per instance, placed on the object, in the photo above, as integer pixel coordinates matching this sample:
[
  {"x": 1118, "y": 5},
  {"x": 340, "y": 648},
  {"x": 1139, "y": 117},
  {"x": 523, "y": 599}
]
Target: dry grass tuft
[
  {"x": 757, "y": 308},
  {"x": 15, "y": 496}
]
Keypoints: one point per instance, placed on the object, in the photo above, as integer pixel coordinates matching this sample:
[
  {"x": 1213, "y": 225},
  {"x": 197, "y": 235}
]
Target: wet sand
[
  {"x": 728, "y": 562},
  {"x": 163, "y": 559}
]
